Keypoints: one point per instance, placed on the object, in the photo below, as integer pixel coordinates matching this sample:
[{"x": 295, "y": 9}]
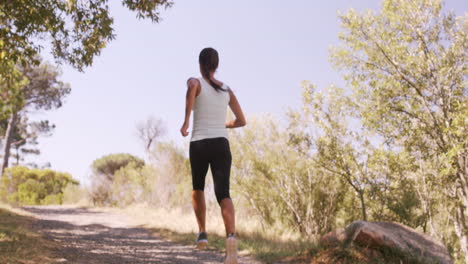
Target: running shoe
[
  {"x": 202, "y": 240},
  {"x": 231, "y": 250}
]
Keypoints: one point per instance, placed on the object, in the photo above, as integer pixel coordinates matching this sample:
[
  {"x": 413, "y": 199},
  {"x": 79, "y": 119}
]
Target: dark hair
[{"x": 209, "y": 61}]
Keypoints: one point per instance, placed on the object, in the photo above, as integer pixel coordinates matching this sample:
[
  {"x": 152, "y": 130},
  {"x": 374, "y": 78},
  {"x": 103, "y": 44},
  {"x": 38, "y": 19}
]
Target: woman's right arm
[
  {"x": 193, "y": 87},
  {"x": 237, "y": 110}
]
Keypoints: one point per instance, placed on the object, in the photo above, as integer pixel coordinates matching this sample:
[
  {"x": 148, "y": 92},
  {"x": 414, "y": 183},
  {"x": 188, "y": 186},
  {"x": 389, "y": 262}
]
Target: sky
[{"x": 266, "y": 49}]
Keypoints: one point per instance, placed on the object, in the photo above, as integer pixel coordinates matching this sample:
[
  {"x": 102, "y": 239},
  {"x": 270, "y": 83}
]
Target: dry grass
[
  {"x": 270, "y": 246},
  {"x": 180, "y": 226},
  {"x": 18, "y": 243}
]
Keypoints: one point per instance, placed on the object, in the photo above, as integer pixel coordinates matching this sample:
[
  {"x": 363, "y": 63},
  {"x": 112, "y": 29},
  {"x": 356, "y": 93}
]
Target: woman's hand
[
  {"x": 237, "y": 110},
  {"x": 184, "y": 129}
]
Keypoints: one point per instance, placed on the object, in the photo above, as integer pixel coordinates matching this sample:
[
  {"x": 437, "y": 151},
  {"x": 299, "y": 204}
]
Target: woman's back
[{"x": 210, "y": 112}]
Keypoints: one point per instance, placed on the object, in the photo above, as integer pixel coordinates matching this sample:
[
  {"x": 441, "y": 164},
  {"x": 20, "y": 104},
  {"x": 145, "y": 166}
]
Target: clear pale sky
[{"x": 266, "y": 49}]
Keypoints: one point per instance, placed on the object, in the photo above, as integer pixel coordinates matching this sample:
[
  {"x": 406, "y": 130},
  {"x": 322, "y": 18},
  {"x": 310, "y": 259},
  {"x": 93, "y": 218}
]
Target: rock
[
  {"x": 333, "y": 238},
  {"x": 389, "y": 236}
]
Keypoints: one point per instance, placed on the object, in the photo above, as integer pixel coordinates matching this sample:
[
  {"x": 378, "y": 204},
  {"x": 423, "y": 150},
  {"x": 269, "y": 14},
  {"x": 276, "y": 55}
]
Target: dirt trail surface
[{"x": 94, "y": 237}]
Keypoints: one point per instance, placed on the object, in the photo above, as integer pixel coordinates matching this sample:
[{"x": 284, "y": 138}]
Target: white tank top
[{"x": 209, "y": 112}]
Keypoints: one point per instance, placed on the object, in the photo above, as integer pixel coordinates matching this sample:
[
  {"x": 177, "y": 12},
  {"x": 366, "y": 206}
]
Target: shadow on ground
[{"x": 102, "y": 244}]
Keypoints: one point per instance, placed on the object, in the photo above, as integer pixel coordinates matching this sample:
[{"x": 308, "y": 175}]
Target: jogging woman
[{"x": 209, "y": 145}]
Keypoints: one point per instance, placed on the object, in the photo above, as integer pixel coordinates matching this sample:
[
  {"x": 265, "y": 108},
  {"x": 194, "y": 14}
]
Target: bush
[
  {"x": 168, "y": 179},
  {"x": 24, "y": 186},
  {"x": 123, "y": 179},
  {"x": 280, "y": 183},
  {"x": 31, "y": 192},
  {"x": 74, "y": 194},
  {"x": 53, "y": 199},
  {"x": 113, "y": 178},
  {"x": 110, "y": 164}
]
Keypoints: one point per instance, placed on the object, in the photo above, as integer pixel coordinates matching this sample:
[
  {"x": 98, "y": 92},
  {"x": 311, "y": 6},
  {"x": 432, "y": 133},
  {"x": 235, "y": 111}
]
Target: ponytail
[{"x": 209, "y": 63}]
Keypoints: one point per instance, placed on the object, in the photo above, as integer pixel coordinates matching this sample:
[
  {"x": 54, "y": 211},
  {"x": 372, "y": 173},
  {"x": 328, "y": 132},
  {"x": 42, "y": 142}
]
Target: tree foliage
[
  {"x": 268, "y": 170},
  {"x": 24, "y": 186},
  {"x": 110, "y": 164},
  {"x": 76, "y": 30},
  {"x": 26, "y": 138},
  {"x": 407, "y": 67},
  {"x": 171, "y": 177},
  {"x": 394, "y": 146},
  {"x": 43, "y": 91},
  {"x": 112, "y": 175},
  {"x": 123, "y": 179}
]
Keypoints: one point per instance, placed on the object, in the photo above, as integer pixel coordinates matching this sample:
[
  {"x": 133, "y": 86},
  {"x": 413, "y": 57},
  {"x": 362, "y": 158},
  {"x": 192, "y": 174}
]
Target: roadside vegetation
[
  {"x": 19, "y": 243},
  {"x": 392, "y": 145}
]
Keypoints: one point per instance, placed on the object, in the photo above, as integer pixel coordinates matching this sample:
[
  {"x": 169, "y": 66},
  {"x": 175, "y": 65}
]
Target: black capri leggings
[{"x": 216, "y": 153}]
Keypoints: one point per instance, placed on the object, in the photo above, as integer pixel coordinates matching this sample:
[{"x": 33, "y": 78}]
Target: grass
[
  {"x": 258, "y": 246},
  {"x": 180, "y": 226},
  {"x": 268, "y": 246},
  {"x": 18, "y": 243}
]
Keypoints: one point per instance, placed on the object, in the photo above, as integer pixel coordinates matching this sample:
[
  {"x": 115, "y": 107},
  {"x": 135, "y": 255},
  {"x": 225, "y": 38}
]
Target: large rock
[
  {"x": 388, "y": 235},
  {"x": 334, "y": 238}
]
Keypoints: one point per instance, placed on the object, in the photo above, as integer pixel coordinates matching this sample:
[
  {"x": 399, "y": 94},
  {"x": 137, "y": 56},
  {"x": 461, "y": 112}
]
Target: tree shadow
[
  {"x": 101, "y": 244},
  {"x": 53, "y": 210},
  {"x": 253, "y": 245}
]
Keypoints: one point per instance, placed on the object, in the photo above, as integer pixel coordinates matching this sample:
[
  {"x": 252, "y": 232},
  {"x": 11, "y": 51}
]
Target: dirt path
[{"x": 93, "y": 237}]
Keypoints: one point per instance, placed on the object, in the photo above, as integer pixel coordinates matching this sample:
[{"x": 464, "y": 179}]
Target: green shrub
[
  {"x": 110, "y": 164},
  {"x": 74, "y": 194},
  {"x": 280, "y": 183},
  {"x": 123, "y": 179},
  {"x": 52, "y": 199},
  {"x": 114, "y": 178},
  {"x": 31, "y": 192},
  {"x": 169, "y": 180},
  {"x": 25, "y": 186}
]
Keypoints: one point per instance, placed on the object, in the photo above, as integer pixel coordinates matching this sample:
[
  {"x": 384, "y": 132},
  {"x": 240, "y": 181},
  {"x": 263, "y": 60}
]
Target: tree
[
  {"x": 336, "y": 148},
  {"x": 150, "y": 130},
  {"x": 105, "y": 170},
  {"x": 168, "y": 176},
  {"x": 76, "y": 30},
  {"x": 26, "y": 137},
  {"x": 44, "y": 91},
  {"x": 268, "y": 170},
  {"x": 407, "y": 67}
]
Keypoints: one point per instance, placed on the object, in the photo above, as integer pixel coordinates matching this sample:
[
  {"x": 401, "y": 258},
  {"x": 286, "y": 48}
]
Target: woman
[{"x": 209, "y": 145}]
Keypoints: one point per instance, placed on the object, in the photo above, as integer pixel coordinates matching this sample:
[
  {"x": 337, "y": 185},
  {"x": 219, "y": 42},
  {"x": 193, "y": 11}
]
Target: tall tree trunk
[
  {"x": 461, "y": 230},
  {"x": 460, "y": 221},
  {"x": 17, "y": 156},
  {"x": 8, "y": 138},
  {"x": 363, "y": 205}
]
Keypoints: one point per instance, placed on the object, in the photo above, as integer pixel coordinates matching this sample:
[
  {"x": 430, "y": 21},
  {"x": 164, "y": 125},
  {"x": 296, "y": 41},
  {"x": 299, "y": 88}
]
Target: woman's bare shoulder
[{"x": 193, "y": 82}]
